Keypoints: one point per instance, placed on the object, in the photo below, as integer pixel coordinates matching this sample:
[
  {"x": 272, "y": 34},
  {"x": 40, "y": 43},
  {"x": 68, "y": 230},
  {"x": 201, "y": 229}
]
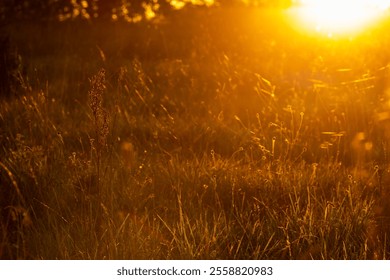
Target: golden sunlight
[{"x": 339, "y": 16}]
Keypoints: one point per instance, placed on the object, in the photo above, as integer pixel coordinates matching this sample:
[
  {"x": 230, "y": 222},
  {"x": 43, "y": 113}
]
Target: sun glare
[{"x": 339, "y": 16}]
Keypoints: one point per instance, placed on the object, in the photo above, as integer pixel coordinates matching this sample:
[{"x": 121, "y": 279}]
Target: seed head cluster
[{"x": 100, "y": 115}]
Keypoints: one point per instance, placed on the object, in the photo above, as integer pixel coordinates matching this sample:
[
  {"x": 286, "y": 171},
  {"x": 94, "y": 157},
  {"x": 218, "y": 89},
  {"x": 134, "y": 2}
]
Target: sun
[{"x": 339, "y": 16}]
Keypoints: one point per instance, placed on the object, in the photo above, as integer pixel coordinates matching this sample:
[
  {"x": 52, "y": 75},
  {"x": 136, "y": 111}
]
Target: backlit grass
[{"x": 209, "y": 139}]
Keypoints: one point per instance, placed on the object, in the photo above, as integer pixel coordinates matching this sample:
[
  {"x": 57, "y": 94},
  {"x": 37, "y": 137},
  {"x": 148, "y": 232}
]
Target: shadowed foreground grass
[{"x": 175, "y": 142}]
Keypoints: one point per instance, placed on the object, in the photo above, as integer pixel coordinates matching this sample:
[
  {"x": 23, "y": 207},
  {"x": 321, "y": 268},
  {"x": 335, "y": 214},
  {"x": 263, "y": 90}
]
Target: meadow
[{"x": 211, "y": 134}]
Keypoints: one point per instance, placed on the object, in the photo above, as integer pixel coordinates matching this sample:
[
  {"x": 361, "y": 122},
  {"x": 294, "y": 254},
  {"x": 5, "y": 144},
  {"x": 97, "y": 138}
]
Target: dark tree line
[
  {"x": 87, "y": 9},
  {"x": 43, "y": 10}
]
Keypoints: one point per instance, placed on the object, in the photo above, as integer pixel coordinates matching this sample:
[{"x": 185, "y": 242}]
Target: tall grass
[{"x": 126, "y": 147}]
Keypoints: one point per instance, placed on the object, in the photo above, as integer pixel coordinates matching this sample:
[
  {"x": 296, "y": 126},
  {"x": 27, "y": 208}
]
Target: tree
[{"x": 42, "y": 10}]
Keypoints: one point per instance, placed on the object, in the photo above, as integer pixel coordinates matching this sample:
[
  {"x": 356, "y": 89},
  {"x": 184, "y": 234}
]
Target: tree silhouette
[{"x": 42, "y": 10}]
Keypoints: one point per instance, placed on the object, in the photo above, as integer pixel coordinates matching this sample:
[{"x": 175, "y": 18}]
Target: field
[{"x": 212, "y": 134}]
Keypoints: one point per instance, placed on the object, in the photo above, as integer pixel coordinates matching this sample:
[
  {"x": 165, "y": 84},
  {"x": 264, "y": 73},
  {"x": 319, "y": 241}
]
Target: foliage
[{"x": 134, "y": 10}]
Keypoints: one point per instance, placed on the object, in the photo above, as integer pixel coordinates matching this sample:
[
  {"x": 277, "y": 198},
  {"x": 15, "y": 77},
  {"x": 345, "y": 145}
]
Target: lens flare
[{"x": 339, "y": 16}]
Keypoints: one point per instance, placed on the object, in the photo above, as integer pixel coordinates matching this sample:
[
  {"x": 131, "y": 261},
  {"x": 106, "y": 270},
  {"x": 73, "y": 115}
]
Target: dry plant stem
[{"x": 100, "y": 119}]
